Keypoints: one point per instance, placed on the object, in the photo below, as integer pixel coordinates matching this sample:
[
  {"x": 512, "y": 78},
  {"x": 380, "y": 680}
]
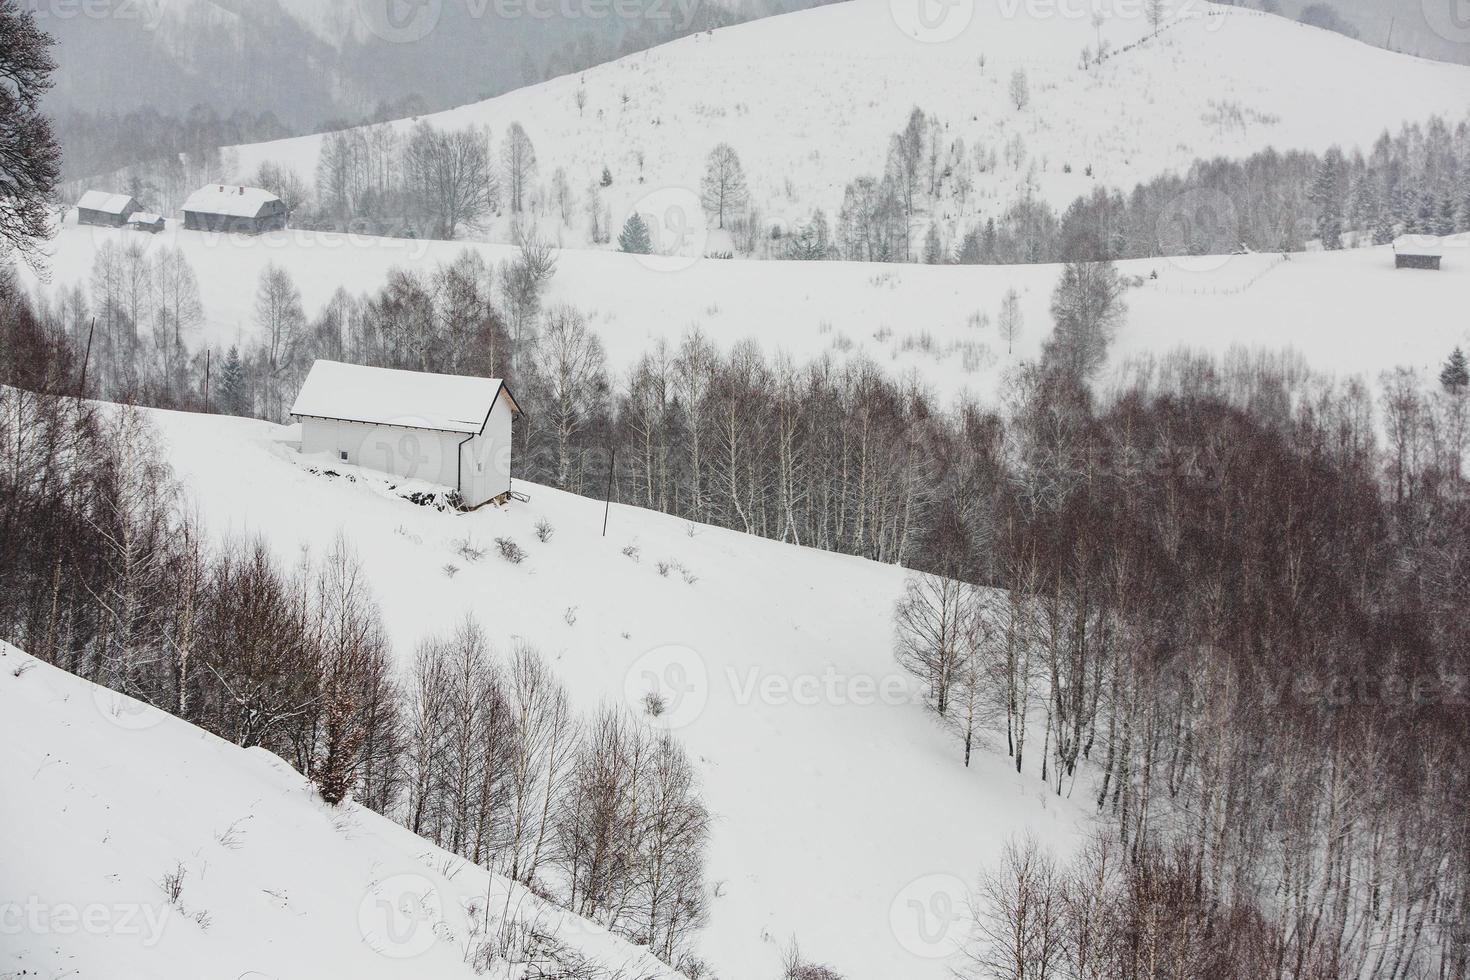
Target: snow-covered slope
[
  {"x": 810, "y": 99},
  {"x": 903, "y": 316},
  {"x": 107, "y": 799},
  {"x": 843, "y": 813}
]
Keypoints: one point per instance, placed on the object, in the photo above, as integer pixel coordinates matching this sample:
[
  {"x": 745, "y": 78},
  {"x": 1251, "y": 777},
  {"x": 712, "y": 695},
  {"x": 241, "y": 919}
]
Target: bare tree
[
  {"x": 1010, "y": 320},
  {"x": 1020, "y": 89},
  {"x": 723, "y": 191},
  {"x": 448, "y": 177},
  {"x": 572, "y": 368},
  {"x": 518, "y": 155}
]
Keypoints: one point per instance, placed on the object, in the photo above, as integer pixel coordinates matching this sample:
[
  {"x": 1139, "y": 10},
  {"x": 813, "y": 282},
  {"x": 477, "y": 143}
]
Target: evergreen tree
[
  {"x": 606, "y": 176},
  {"x": 933, "y": 251},
  {"x": 1455, "y": 376},
  {"x": 634, "y": 237},
  {"x": 1327, "y": 196},
  {"x": 969, "y": 252},
  {"x": 231, "y": 399}
]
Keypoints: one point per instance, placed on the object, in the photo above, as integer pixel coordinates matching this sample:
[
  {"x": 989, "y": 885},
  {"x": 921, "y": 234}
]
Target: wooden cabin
[
  {"x": 1418, "y": 252},
  {"x": 105, "y": 209},
  {"x": 146, "y": 221},
  {"x": 230, "y": 208}
]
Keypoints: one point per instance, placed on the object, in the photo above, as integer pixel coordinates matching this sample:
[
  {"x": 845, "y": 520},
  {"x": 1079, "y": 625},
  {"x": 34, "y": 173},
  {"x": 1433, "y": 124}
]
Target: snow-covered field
[
  {"x": 843, "y": 813},
  {"x": 1347, "y": 312},
  {"x": 810, "y": 99},
  {"x": 106, "y": 799}
]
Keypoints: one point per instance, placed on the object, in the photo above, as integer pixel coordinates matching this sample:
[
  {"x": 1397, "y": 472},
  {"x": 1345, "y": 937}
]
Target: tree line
[
  {"x": 1225, "y": 603},
  {"x": 1414, "y": 182}
]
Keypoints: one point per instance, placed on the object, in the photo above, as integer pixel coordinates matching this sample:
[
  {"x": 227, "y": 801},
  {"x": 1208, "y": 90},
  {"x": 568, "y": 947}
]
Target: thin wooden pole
[
  {"x": 206, "y": 380},
  {"x": 82, "y": 388},
  {"x": 612, "y": 465}
]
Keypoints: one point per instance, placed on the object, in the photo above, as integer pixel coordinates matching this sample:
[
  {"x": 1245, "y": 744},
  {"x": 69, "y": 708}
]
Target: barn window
[{"x": 342, "y": 455}]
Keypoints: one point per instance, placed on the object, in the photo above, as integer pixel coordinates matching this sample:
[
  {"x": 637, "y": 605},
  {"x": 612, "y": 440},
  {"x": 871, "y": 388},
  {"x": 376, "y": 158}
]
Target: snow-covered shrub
[
  {"x": 632, "y": 551},
  {"x": 544, "y": 530},
  {"x": 510, "y": 551},
  {"x": 654, "y": 704}
]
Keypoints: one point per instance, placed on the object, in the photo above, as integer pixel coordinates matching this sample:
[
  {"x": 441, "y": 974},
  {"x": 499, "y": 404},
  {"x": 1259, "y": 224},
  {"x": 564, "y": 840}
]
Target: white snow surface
[
  {"x": 809, "y": 101},
  {"x": 1341, "y": 310},
  {"x": 105, "y": 796},
  {"x": 382, "y": 396},
  {"x": 843, "y": 813}
]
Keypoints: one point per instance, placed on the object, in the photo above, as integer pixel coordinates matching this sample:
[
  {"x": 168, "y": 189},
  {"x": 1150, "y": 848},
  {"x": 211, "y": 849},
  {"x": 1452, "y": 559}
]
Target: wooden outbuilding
[
  {"x": 242, "y": 210},
  {"x": 1418, "y": 252},
  {"x": 146, "y": 221},
  {"x": 444, "y": 429},
  {"x": 106, "y": 209}
]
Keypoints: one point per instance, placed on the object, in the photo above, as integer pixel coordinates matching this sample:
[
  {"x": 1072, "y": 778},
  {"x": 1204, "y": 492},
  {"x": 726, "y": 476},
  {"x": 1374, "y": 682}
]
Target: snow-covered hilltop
[
  {"x": 140, "y": 846},
  {"x": 809, "y": 101}
]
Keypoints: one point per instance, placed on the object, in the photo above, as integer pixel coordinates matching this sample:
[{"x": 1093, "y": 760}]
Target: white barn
[{"x": 451, "y": 430}]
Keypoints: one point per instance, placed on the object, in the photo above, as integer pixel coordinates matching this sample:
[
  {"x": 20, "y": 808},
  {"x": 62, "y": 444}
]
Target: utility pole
[
  {"x": 82, "y": 388},
  {"x": 612, "y": 464}
]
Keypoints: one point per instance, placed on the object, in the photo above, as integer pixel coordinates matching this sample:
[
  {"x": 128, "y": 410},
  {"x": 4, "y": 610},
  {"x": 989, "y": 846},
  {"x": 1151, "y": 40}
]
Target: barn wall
[
  {"x": 415, "y": 454},
  {"x": 487, "y": 457}
]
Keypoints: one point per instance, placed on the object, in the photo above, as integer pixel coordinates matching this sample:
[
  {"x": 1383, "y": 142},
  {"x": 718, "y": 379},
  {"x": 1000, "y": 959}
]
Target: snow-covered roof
[
  {"x": 144, "y": 218},
  {"x": 1428, "y": 245},
  {"x": 230, "y": 200},
  {"x": 104, "y": 202},
  {"x": 382, "y": 396}
]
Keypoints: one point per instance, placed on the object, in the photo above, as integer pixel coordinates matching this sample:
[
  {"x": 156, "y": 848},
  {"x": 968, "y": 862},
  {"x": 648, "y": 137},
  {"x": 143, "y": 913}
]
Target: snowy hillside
[
  {"x": 842, "y": 811},
  {"x": 810, "y": 99},
  {"x": 110, "y": 803},
  {"x": 902, "y": 316}
]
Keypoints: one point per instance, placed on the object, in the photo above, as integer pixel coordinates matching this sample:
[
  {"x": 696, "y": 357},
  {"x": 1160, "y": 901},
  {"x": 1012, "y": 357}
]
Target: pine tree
[
  {"x": 1328, "y": 199},
  {"x": 1445, "y": 223},
  {"x": 232, "y": 399},
  {"x": 606, "y": 176},
  {"x": 933, "y": 251},
  {"x": 1455, "y": 376},
  {"x": 634, "y": 237},
  {"x": 969, "y": 253}
]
